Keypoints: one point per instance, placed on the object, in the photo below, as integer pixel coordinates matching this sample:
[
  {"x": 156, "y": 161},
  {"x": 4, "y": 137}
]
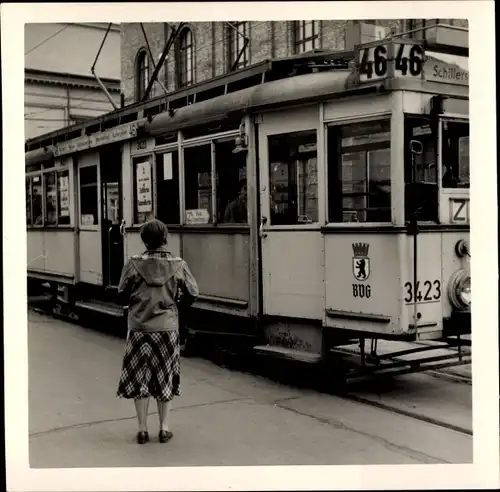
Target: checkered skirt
[{"x": 151, "y": 366}]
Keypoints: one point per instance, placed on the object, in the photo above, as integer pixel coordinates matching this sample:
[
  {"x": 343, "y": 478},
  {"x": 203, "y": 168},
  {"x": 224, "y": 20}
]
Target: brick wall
[
  {"x": 268, "y": 39},
  {"x": 260, "y": 41},
  {"x": 132, "y": 40}
]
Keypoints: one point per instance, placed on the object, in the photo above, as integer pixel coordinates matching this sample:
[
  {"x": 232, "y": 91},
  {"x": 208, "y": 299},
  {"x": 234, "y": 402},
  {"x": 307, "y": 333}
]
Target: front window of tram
[
  {"x": 421, "y": 170},
  {"x": 359, "y": 170},
  {"x": 455, "y": 148}
]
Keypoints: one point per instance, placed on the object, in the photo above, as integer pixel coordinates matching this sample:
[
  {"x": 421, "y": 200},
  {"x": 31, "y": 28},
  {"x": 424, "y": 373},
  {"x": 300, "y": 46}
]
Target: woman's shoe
[
  {"x": 165, "y": 436},
  {"x": 142, "y": 437}
]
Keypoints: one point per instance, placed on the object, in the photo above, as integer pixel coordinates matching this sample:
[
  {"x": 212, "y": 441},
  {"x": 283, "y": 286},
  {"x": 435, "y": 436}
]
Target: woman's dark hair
[{"x": 154, "y": 234}]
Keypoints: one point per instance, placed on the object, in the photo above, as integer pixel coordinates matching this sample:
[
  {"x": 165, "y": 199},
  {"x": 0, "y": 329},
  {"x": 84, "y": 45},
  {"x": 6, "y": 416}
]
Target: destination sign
[
  {"x": 446, "y": 69},
  {"x": 390, "y": 59},
  {"x": 117, "y": 134}
]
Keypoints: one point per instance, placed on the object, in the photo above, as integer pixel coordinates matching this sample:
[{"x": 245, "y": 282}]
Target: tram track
[
  {"x": 408, "y": 413},
  {"x": 288, "y": 377}
]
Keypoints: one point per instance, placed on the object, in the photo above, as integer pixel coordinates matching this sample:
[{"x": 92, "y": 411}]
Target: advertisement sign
[
  {"x": 197, "y": 216},
  {"x": 64, "y": 196},
  {"x": 144, "y": 187},
  {"x": 167, "y": 167}
]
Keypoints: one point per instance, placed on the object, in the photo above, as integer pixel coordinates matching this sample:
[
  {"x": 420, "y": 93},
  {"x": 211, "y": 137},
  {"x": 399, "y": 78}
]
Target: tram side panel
[
  {"x": 134, "y": 244},
  {"x": 440, "y": 271},
  {"x": 35, "y": 250},
  {"x": 362, "y": 284},
  {"x": 220, "y": 262},
  {"x": 422, "y": 300}
]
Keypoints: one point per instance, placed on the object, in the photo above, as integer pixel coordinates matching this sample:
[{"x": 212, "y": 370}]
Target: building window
[
  {"x": 236, "y": 43},
  {"x": 143, "y": 189},
  {"x": 142, "y": 74},
  {"x": 167, "y": 187},
  {"x": 293, "y": 178},
  {"x": 306, "y": 36},
  {"x": 185, "y": 58},
  {"x": 89, "y": 202},
  {"x": 231, "y": 179},
  {"x": 359, "y": 170}
]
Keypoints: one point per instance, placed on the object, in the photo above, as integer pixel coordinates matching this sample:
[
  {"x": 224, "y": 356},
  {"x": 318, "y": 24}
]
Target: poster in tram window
[
  {"x": 144, "y": 195},
  {"x": 64, "y": 196}
]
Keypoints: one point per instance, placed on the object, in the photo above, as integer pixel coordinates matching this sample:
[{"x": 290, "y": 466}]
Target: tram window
[
  {"x": 198, "y": 179},
  {"x": 36, "y": 200},
  {"x": 143, "y": 189},
  {"x": 360, "y": 180},
  {"x": 455, "y": 145},
  {"x": 231, "y": 190},
  {"x": 63, "y": 197},
  {"x": 33, "y": 168},
  {"x": 28, "y": 201},
  {"x": 88, "y": 196},
  {"x": 167, "y": 186},
  {"x": 50, "y": 198},
  {"x": 293, "y": 175}
]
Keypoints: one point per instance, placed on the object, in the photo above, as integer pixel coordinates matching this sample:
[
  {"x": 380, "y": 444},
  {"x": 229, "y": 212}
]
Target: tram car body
[{"x": 354, "y": 183}]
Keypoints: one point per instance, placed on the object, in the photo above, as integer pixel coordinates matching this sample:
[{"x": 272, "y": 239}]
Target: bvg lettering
[{"x": 362, "y": 291}]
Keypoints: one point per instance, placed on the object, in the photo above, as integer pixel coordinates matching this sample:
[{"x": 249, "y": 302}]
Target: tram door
[
  {"x": 111, "y": 205},
  {"x": 290, "y": 237}
]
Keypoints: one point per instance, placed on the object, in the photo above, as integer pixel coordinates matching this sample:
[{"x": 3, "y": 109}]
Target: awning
[{"x": 289, "y": 91}]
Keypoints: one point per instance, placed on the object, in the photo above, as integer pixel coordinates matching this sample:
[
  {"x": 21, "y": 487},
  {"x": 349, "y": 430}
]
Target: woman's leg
[
  {"x": 164, "y": 414},
  {"x": 141, "y": 407}
]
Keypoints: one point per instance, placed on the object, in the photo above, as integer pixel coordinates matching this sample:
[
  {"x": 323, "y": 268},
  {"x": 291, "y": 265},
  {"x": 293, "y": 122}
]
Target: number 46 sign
[{"x": 390, "y": 59}]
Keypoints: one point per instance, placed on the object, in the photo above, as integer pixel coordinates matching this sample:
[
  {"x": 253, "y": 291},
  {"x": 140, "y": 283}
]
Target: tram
[{"x": 319, "y": 199}]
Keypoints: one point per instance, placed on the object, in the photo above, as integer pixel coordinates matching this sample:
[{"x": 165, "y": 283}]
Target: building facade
[
  {"x": 60, "y": 89},
  {"x": 204, "y": 50}
]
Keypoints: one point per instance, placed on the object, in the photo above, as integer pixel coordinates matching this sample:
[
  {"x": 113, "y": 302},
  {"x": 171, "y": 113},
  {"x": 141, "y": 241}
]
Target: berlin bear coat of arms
[{"x": 360, "y": 261}]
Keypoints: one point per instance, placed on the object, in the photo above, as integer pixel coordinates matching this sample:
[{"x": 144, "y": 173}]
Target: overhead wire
[
  {"x": 47, "y": 39},
  {"x": 224, "y": 38}
]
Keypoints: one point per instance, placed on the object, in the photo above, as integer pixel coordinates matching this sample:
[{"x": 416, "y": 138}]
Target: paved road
[{"x": 223, "y": 417}]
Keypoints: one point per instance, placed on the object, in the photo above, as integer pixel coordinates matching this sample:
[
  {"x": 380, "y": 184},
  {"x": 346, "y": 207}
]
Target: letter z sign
[{"x": 459, "y": 211}]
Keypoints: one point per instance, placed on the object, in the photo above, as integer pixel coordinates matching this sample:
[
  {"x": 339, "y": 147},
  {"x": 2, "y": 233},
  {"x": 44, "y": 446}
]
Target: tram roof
[{"x": 300, "y": 89}]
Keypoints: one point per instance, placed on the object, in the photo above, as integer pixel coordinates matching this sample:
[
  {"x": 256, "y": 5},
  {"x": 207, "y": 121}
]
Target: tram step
[
  {"x": 286, "y": 353},
  {"x": 101, "y": 307},
  {"x": 41, "y": 298}
]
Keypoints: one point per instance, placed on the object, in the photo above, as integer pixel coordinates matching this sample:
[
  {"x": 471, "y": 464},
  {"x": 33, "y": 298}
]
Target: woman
[{"x": 153, "y": 284}]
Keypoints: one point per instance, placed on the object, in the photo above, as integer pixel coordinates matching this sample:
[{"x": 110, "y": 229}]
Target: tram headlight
[{"x": 459, "y": 290}]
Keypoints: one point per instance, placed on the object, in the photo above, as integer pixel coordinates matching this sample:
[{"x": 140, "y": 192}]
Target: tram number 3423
[
  {"x": 430, "y": 291},
  {"x": 378, "y": 66}
]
